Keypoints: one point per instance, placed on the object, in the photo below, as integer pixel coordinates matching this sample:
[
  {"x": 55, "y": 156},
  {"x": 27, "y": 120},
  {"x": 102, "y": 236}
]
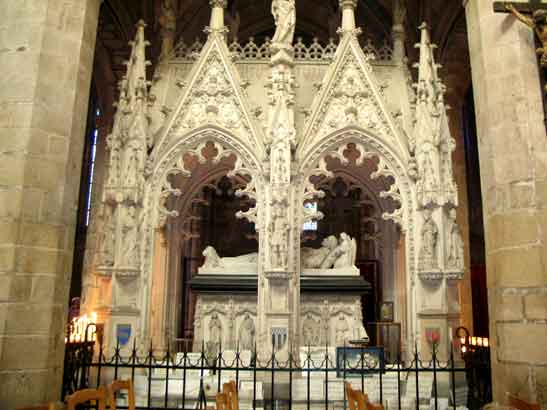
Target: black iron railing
[{"x": 314, "y": 379}]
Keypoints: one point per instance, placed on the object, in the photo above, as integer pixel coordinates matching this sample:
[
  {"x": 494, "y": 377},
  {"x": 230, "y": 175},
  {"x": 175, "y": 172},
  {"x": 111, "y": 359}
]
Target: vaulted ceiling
[{"x": 315, "y": 18}]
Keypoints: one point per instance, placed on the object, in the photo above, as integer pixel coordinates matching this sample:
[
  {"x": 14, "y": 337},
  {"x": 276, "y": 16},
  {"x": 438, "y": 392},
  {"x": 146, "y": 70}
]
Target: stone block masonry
[{"x": 46, "y": 55}]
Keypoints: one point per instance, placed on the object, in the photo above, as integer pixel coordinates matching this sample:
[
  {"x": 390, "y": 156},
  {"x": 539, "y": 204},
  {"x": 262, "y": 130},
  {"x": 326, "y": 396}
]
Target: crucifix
[
  {"x": 534, "y": 15},
  {"x": 537, "y": 20}
]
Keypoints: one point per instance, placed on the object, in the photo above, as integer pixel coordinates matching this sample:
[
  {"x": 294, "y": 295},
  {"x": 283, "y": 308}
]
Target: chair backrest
[
  {"x": 356, "y": 399},
  {"x": 86, "y": 395},
  {"x": 230, "y": 389},
  {"x": 520, "y": 404},
  {"x": 222, "y": 401},
  {"x": 118, "y": 385}
]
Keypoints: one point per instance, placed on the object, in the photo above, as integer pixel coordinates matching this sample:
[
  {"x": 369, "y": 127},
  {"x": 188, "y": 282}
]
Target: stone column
[
  {"x": 46, "y": 63},
  {"x": 513, "y": 156}
]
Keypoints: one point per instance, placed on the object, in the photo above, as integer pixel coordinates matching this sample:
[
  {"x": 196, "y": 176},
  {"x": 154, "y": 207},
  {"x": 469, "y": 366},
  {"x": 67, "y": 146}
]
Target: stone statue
[
  {"x": 538, "y": 22},
  {"x": 310, "y": 331},
  {"x": 213, "y": 260},
  {"x": 132, "y": 171},
  {"x": 284, "y": 13},
  {"x": 343, "y": 255},
  {"x": 454, "y": 243},
  {"x": 109, "y": 237},
  {"x": 279, "y": 230},
  {"x": 247, "y": 334},
  {"x": 313, "y": 258},
  {"x": 129, "y": 235},
  {"x": 168, "y": 24},
  {"x": 428, "y": 252},
  {"x": 342, "y": 331},
  {"x": 347, "y": 249},
  {"x": 215, "y": 330}
]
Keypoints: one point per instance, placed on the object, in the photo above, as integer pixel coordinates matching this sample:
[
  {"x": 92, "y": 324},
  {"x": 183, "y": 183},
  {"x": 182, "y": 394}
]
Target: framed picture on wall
[{"x": 386, "y": 312}]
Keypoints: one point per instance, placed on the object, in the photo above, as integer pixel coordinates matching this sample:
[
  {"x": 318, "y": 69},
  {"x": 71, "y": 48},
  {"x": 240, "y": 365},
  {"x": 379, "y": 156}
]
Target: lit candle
[
  {"x": 485, "y": 342},
  {"x": 474, "y": 341}
]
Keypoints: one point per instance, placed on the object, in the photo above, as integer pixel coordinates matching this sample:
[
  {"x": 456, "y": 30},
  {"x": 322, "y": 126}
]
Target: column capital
[
  {"x": 218, "y": 3},
  {"x": 217, "y": 16},
  {"x": 344, "y": 4},
  {"x": 348, "y": 17}
]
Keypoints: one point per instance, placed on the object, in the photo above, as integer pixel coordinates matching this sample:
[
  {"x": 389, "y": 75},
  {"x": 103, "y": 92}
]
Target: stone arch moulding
[
  {"x": 170, "y": 161},
  {"x": 184, "y": 204},
  {"x": 402, "y": 190}
]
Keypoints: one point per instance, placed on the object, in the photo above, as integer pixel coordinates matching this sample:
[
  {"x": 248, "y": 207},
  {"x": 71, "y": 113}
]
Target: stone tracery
[{"x": 348, "y": 121}]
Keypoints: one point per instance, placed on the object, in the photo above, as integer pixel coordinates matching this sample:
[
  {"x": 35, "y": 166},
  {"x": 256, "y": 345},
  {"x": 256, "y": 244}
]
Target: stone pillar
[
  {"x": 46, "y": 63},
  {"x": 513, "y": 160}
]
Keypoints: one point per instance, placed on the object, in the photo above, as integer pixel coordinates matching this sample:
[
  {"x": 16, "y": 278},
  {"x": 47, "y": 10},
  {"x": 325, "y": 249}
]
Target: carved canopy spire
[
  {"x": 217, "y": 15},
  {"x": 348, "y": 16}
]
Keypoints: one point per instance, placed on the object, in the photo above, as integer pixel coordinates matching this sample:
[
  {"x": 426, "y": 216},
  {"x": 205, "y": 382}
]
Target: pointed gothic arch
[
  {"x": 391, "y": 165},
  {"x": 221, "y": 144}
]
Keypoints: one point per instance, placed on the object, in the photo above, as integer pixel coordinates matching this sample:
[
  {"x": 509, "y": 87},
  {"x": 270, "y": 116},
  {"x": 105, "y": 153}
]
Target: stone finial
[
  {"x": 217, "y": 14},
  {"x": 348, "y": 15}
]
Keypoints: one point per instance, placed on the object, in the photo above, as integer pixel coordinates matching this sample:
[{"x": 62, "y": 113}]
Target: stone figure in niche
[
  {"x": 168, "y": 24},
  {"x": 313, "y": 258},
  {"x": 342, "y": 331},
  {"x": 132, "y": 172},
  {"x": 109, "y": 240},
  {"x": 428, "y": 180},
  {"x": 234, "y": 21},
  {"x": 215, "y": 330},
  {"x": 428, "y": 252},
  {"x": 310, "y": 331},
  {"x": 284, "y": 13},
  {"x": 247, "y": 334},
  {"x": 279, "y": 234},
  {"x": 114, "y": 166},
  {"x": 129, "y": 235},
  {"x": 454, "y": 243},
  {"x": 213, "y": 260}
]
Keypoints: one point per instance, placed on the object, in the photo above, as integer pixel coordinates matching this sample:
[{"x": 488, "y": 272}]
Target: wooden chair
[
  {"x": 359, "y": 401},
  {"x": 230, "y": 389},
  {"x": 355, "y": 398},
  {"x": 118, "y": 385},
  {"x": 520, "y": 404},
  {"x": 83, "y": 396},
  {"x": 222, "y": 401}
]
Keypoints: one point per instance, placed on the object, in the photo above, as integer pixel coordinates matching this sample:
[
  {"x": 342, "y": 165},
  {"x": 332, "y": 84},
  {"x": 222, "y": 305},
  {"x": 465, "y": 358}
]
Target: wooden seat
[
  {"x": 222, "y": 401},
  {"x": 86, "y": 395},
  {"x": 118, "y": 385},
  {"x": 230, "y": 389},
  {"x": 355, "y": 398},
  {"x": 520, "y": 404},
  {"x": 358, "y": 400}
]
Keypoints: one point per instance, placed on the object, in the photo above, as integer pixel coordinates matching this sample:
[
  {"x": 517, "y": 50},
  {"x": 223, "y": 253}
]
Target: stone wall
[
  {"x": 513, "y": 162},
  {"x": 46, "y": 55}
]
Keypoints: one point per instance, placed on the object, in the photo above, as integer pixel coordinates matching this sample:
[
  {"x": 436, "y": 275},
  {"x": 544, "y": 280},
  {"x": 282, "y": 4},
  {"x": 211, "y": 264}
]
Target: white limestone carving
[
  {"x": 284, "y": 12},
  {"x": 335, "y": 258},
  {"x": 429, "y": 259},
  {"x": 454, "y": 244},
  {"x": 313, "y": 258},
  {"x": 400, "y": 134},
  {"x": 343, "y": 334},
  {"x": 215, "y": 330},
  {"x": 238, "y": 265},
  {"x": 247, "y": 334}
]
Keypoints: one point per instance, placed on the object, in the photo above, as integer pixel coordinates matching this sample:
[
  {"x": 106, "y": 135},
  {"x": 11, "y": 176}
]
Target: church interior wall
[{"x": 503, "y": 188}]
